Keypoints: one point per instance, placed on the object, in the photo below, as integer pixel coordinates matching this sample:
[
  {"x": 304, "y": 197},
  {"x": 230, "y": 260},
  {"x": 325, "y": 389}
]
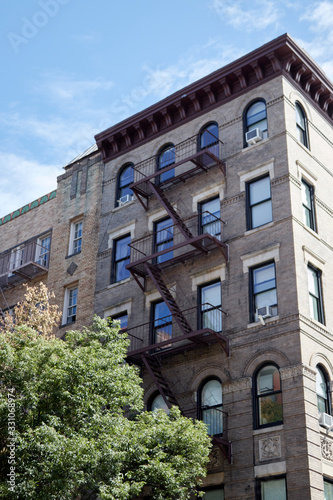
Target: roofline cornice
[{"x": 280, "y": 56}]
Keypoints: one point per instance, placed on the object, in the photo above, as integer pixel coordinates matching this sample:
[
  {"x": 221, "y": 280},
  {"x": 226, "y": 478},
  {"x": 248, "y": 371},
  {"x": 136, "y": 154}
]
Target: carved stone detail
[
  {"x": 237, "y": 385},
  {"x": 326, "y": 449},
  {"x": 296, "y": 371},
  {"x": 269, "y": 448}
]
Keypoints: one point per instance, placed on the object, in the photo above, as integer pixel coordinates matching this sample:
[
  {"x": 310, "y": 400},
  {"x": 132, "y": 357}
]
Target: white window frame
[
  {"x": 67, "y": 305},
  {"x": 72, "y": 238},
  {"x": 39, "y": 250}
]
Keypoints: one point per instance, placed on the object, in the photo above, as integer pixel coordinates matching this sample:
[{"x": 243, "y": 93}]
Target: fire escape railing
[
  {"x": 23, "y": 263},
  {"x": 188, "y": 161},
  {"x": 170, "y": 245},
  {"x": 164, "y": 335}
]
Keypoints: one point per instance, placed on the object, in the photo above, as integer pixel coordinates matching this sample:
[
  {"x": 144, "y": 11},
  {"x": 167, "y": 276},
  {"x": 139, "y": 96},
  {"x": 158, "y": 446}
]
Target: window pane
[
  {"x": 126, "y": 177},
  {"x": 209, "y": 136},
  {"x": 262, "y": 214},
  {"x": 210, "y": 215},
  {"x": 214, "y": 494},
  {"x": 268, "y": 380},
  {"x": 211, "y": 394},
  {"x": 211, "y": 294},
  {"x": 122, "y": 248},
  {"x": 314, "y": 308},
  {"x": 260, "y": 190},
  {"x": 313, "y": 282},
  {"x": 162, "y": 322},
  {"x": 167, "y": 157},
  {"x": 321, "y": 384},
  {"x": 274, "y": 489},
  {"x": 270, "y": 409},
  {"x": 158, "y": 403},
  {"x": 328, "y": 490},
  {"x": 264, "y": 278},
  {"x": 256, "y": 113}
]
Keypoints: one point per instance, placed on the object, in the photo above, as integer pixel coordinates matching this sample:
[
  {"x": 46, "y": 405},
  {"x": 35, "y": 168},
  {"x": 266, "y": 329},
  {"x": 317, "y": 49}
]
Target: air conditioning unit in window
[
  {"x": 125, "y": 199},
  {"x": 265, "y": 312},
  {"x": 325, "y": 420},
  {"x": 253, "y": 136}
]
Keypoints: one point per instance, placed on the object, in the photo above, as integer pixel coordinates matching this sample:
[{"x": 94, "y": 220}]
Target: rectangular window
[
  {"x": 75, "y": 239},
  {"x": 214, "y": 494},
  {"x": 271, "y": 489},
  {"x": 210, "y": 310},
  {"x": 43, "y": 250},
  {"x": 122, "y": 318},
  {"x": 308, "y": 205},
  {"x": 259, "y": 202},
  {"x": 328, "y": 490},
  {"x": 210, "y": 222},
  {"x": 263, "y": 292},
  {"x": 70, "y": 305},
  {"x": 121, "y": 257},
  {"x": 16, "y": 259},
  {"x": 163, "y": 239},
  {"x": 162, "y": 322},
  {"x": 315, "y": 294}
]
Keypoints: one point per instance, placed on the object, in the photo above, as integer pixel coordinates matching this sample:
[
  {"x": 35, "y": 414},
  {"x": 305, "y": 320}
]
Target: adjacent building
[{"x": 204, "y": 225}]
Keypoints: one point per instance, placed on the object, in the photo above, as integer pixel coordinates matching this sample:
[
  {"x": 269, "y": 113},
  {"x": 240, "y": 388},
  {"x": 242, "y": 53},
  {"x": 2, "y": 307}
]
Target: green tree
[{"x": 80, "y": 431}]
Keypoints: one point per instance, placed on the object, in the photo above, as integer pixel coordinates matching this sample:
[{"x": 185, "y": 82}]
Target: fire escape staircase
[{"x": 154, "y": 369}]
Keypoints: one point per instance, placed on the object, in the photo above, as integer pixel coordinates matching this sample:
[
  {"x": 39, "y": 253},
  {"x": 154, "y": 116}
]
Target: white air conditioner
[
  {"x": 253, "y": 136},
  {"x": 125, "y": 199},
  {"x": 265, "y": 312},
  {"x": 325, "y": 420}
]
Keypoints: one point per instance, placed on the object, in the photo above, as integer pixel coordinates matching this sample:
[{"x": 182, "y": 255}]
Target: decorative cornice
[
  {"x": 281, "y": 56},
  {"x": 28, "y": 207}
]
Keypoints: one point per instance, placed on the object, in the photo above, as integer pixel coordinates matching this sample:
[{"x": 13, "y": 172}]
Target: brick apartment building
[{"x": 209, "y": 238}]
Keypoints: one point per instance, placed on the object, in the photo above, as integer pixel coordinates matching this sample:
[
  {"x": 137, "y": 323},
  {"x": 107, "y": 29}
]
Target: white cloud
[
  {"x": 30, "y": 178},
  {"x": 248, "y": 16}
]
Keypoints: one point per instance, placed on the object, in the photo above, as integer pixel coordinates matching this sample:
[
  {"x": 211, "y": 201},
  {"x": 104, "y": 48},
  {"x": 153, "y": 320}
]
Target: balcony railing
[
  {"x": 170, "y": 245},
  {"x": 188, "y": 161},
  {"x": 23, "y": 263},
  {"x": 164, "y": 335}
]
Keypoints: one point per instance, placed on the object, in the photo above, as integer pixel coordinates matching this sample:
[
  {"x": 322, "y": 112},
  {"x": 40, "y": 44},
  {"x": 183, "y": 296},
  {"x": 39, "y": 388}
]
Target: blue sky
[{"x": 72, "y": 68}]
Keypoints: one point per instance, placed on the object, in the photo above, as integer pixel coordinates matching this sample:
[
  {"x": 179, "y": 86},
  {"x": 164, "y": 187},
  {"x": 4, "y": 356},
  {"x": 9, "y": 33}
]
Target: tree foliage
[{"x": 80, "y": 431}]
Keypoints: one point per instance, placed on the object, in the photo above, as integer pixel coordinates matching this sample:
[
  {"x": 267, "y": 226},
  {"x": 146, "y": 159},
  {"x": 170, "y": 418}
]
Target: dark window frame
[
  {"x": 116, "y": 317},
  {"x": 200, "y": 406},
  {"x": 328, "y": 481},
  {"x": 114, "y": 261},
  {"x": 245, "y": 119},
  {"x": 156, "y": 244},
  {"x": 266, "y": 479},
  {"x": 201, "y": 211},
  {"x": 328, "y": 404},
  {"x": 202, "y": 131},
  {"x": 249, "y": 206},
  {"x": 311, "y": 211},
  {"x": 199, "y": 303},
  {"x": 256, "y": 397},
  {"x": 119, "y": 188},
  {"x": 153, "y": 328},
  {"x": 252, "y": 295},
  {"x": 320, "y": 298},
  {"x": 170, "y": 173},
  {"x": 304, "y": 139},
  {"x": 219, "y": 487}
]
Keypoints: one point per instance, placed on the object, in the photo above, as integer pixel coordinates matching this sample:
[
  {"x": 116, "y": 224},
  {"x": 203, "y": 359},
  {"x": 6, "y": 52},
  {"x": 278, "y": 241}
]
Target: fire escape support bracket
[
  {"x": 225, "y": 446},
  {"x": 224, "y": 342},
  {"x": 159, "y": 380},
  {"x": 135, "y": 276},
  {"x": 142, "y": 199}
]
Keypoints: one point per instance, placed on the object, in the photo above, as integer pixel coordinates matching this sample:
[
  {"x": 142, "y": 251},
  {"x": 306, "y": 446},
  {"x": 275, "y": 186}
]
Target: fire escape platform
[{"x": 26, "y": 272}]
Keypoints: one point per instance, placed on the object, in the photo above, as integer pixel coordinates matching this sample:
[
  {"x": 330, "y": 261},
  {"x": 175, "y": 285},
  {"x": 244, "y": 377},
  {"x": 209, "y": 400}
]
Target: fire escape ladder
[
  {"x": 154, "y": 369},
  {"x": 155, "y": 274},
  {"x": 171, "y": 211},
  {"x": 225, "y": 446}
]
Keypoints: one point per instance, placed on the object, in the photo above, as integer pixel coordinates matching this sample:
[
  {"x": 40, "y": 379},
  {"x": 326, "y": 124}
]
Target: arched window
[
  {"x": 125, "y": 179},
  {"x": 255, "y": 116},
  {"x": 166, "y": 157},
  {"x": 323, "y": 395},
  {"x": 301, "y": 125},
  {"x": 208, "y": 138},
  {"x": 158, "y": 403},
  {"x": 268, "y": 396},
  {"x": 210, "y": 406}
]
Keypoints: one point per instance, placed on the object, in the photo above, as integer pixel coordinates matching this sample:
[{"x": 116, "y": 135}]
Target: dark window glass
[
  {"x": 328, "y": 489},
  {"x": 164, "y": 239},
  {"x": 315, "y": 294},
  {"x": 259, "y": 202},
  {"x": 210, "y": 300},
  {"x": 72, "y": 304},
  {"x": 210, "y": 217},
  {"x": 44, "y": 251},
  {"x": 121, "y": 258},
  {"x": 268, "y": 396},
  {"x": 263, "y": 290},
  {"x": 209, "y": 136},
  {"x": 165, "y": 159},
  {"x": 122, "y": 318},
  {"x": 301, "y": 125},
  {"x": 323, "y": 399},
  {"x": 158, "y": 403},
  {"x": 271, "y": 489},
  {"x": 125, "y": 179},
  {"x": 214, "y": 494},
  {"x": 162, "y": 322},
  {"x": 256, "y": 117},
  {"x": 210, "y": 399},
  {"x": 308, "y": 205}
]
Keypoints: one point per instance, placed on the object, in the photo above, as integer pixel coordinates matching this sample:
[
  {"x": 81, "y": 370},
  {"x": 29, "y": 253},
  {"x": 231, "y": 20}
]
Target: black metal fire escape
[{"x": 187, "y": 242}]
